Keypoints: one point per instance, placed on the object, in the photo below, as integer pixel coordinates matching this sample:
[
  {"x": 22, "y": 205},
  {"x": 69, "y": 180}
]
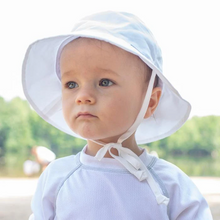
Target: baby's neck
[{"x": 130, "y": 143}]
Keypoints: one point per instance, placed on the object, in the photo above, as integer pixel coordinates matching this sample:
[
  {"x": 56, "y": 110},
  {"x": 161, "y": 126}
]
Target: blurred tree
[
  {"x": 199, "y": 136},
  {"x": 19, "y": 137},
  {"x": 4, "y": 128},
  {"x": 21, "y": 128}
]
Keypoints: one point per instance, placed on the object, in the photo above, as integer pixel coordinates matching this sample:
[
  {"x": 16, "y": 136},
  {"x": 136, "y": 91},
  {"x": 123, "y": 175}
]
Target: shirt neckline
[{"x": 109, "y": 163}]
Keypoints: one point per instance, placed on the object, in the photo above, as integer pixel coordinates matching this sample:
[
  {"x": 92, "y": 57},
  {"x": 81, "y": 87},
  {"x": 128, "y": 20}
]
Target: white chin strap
[{"x": 127, "y": 157}]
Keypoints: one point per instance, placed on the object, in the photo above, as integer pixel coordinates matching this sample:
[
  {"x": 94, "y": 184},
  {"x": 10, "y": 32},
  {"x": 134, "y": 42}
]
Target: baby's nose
[{"x": 85, "y": 96}]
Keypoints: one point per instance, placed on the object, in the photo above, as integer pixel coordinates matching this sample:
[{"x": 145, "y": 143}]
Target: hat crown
[{"x": 124, "y": 26}]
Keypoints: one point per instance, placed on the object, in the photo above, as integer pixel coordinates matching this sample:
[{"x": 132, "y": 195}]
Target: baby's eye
[
  {"x": 105, "y": 82},
  {"x": 71, "y": 85}
]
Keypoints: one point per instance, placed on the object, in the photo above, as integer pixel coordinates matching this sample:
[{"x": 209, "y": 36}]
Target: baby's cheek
[{"x": 67, "y": 113}]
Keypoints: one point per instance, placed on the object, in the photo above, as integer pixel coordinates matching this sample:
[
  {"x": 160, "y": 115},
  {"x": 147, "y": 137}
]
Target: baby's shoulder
[
  {"x": 63, "y": 164},
  {"x": 186, "y": 202},
  {"x": 170, "y": 174},
  {"x": 178, "y": 186},
  {"x": 59, "y": 170}
]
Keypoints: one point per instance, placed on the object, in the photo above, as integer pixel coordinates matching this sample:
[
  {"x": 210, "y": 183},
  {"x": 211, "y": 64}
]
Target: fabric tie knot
[{"x": 127, "y": 158}]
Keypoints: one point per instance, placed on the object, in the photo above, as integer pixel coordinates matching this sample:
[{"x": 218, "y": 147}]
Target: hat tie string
[{"x": 135, "y": 166}]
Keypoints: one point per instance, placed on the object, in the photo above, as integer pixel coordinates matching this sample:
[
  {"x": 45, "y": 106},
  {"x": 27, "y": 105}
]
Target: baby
[{"x": 103, "y": 82}]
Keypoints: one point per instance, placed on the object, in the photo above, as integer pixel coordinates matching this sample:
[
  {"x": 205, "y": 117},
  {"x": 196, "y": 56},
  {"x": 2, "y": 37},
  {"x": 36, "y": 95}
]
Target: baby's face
[{"x": 103, "y": 88}]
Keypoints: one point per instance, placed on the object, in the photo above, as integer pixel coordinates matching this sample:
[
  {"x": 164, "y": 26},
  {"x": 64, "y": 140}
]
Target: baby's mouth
[{"x": 85, "y": 115}]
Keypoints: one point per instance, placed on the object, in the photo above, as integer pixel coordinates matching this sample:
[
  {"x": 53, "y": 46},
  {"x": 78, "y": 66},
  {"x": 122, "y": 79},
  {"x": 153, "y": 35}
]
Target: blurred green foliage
[
  {"x": 195, "y": 148},
  {"x": 21, "y": 129},
  {"x": 199, "y": 137}
]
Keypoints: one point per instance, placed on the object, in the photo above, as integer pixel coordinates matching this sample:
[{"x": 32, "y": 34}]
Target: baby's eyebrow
[
  {"x": 67, "y": 73},
  {"x": 99, "y": 70},
  {"x": 107, "y": 70}
]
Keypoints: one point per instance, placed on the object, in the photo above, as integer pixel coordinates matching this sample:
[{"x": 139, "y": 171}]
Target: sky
[{"x": 188, "y": 33}]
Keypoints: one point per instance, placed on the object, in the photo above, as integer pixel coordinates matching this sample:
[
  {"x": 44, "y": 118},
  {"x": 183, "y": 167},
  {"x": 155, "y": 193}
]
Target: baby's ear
[{"x": 154, "y": 100}]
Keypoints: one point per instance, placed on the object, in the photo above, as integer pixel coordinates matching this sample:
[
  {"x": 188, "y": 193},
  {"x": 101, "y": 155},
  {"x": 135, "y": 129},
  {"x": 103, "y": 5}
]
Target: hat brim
[{"x": 42, "y": 87}]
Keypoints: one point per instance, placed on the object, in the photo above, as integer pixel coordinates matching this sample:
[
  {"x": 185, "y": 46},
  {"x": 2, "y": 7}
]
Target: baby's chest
[{"x": 107, "y": 196}]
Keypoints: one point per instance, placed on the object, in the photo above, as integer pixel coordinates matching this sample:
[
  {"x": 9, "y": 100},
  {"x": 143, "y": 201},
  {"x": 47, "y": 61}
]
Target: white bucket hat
[
  {"x": 41, "y": 76},
  {"x": 42, "y": 84}
]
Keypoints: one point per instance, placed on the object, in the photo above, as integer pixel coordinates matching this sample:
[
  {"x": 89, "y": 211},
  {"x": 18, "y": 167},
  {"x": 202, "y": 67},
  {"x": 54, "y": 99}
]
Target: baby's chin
[
  {"x": 85, "y": 133},
  {"x": 90, "y": 134}
]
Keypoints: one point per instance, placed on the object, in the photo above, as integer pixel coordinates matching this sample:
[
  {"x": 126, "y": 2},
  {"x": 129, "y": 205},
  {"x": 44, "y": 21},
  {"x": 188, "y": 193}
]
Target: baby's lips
[{"x": 84, "y": 114}]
